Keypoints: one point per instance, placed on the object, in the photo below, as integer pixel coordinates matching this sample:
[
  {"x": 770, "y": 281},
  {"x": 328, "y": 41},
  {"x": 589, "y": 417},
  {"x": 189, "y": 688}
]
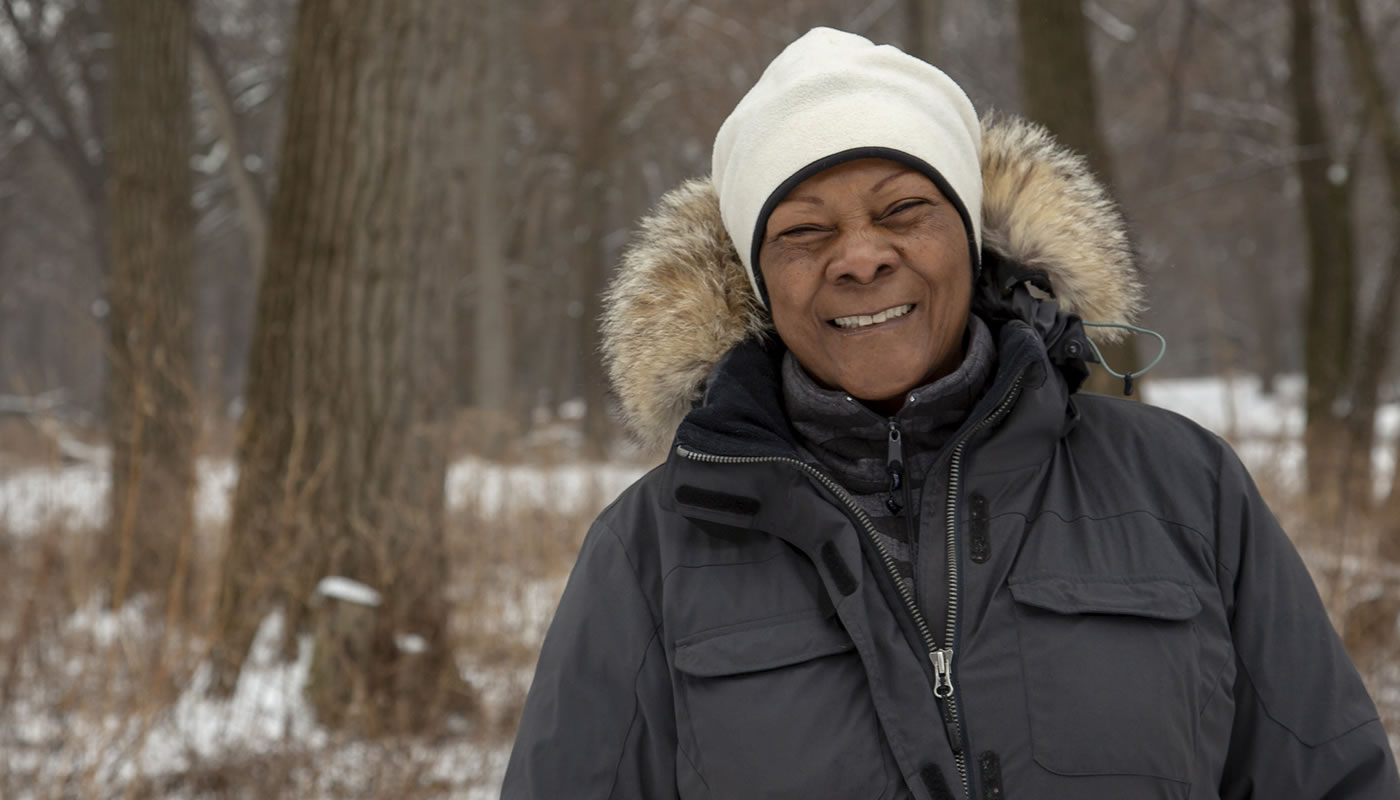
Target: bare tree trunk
[
  {"x": 1392, "y": 503},
  {"x": 591, "y": 278},
  {"x": 495, "y": 380},
  {"x": 1331, "y": 271},
  {"x": 1057, "y": 77},
  {"x": 593, "y": 205},
  {"x": 1378, "y": 334},
  {"x": 924, "y": 18},
  {"x": 1271, "y": 321},
  {"x": 544, "y": 294},
  {"x": 151, "y": 387},
  {"x": 342, "y": 452}
]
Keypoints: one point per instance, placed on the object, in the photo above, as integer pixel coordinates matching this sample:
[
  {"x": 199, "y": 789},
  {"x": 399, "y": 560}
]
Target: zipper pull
[
  {"x": 951, "y": 728},
  {"x": 943, "y": 690},
  {"x": 895, "y": 466},
  {"x": 942, "y": 672}
]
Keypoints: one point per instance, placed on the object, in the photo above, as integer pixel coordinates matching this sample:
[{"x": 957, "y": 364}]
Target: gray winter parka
[{"x": 1106, "y": 607}]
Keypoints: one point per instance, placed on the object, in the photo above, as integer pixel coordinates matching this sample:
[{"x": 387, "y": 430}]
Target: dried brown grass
[
  {"x": 1358, "y": 585},
  {"x": 85, "y": 697},
  {"x": 509, "y": 570}
]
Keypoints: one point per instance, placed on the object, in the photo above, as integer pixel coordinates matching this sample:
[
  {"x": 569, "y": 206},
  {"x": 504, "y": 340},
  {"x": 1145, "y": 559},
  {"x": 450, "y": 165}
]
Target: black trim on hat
[{"x": 835, "y": 159}]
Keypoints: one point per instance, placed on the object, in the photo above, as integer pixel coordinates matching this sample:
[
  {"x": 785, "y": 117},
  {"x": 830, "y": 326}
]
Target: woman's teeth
[{"x": 863, "y": 321}]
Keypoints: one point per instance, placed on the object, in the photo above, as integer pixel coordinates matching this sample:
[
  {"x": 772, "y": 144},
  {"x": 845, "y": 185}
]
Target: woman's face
[{"x": 869, "y": 279}]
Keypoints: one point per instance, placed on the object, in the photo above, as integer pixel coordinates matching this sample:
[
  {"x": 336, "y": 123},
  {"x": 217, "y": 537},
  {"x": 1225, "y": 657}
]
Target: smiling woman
[
  {"x": 869, "y": 279},
  {"x": 894, "y": 552}
]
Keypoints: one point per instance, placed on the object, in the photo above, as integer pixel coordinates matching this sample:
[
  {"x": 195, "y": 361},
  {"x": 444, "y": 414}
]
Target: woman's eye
[
  {"x": 904, "y": 206},
  {"x": 799, "y": 230}
]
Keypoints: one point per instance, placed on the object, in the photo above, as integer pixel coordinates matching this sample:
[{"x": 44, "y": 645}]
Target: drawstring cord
[{"x": 1129, "y": 377}]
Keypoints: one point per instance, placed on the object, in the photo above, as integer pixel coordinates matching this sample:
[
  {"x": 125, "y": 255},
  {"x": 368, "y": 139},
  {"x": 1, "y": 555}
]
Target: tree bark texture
[
  {"x": 1057, "y": 78},
  {"x": 495, "y": 379},
  {"x": 1376, "y": 334},
  {"x": 1368, "y": 76},
  {"x": 925, "y": 18},
  {"x": 342, "y": 445},
  {"x": 610, "y": 87},
  {"x": 150, "y": 389},
  {"x": 1331, "y": 291}
]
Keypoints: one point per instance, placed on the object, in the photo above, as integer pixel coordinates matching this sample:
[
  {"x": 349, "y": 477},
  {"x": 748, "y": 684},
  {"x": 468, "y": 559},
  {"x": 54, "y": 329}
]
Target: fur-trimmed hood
[{"x": 681, "y": 298}]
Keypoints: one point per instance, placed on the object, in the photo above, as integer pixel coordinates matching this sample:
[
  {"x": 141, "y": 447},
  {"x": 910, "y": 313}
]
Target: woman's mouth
[{"x": 866, "y": 320}]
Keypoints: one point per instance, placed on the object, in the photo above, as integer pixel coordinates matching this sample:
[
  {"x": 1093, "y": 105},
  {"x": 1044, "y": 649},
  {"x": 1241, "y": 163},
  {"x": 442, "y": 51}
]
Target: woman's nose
[{"x": 861, "y": 257}]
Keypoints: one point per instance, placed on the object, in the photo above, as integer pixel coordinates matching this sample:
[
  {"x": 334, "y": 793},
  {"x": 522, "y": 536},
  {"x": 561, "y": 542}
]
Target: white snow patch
[
  {"x": 266, "y": 713},
  {"x": 346, "y": 590},
  {"x": 33, "y": 498},
  {"x": 573, "y": 409},
  {"x": 1267, "y": 429},
  {"x": 1233, "y": 406},
  {"x": 76, "y": 495},
  {"x": 107, "y": 627},
  {"x": 492, "y": 489},
  {"x": 267, "y": 709},
  {"x": 213, "y": 499}
]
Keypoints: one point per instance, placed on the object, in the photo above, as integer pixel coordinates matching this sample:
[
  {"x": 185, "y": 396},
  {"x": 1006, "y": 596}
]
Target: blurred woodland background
[{"x": 301, "y": 299}]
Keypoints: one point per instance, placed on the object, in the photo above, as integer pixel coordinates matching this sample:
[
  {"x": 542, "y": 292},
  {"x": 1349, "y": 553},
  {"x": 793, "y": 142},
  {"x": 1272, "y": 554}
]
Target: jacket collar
[{"x": 742, "y": 412}]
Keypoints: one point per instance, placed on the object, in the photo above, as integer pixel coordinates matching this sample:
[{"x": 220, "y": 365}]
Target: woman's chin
[{"x": 883, "y": 395}]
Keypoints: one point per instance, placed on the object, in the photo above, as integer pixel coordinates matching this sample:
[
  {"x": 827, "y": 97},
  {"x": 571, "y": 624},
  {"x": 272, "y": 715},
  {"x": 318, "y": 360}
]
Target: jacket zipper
[
  {"x": 943, "y": 663},
  {"x": 940, "y": 657}
]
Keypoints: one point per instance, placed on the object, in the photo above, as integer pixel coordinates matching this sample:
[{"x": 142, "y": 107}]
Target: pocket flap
[
  {"x": 765, "y": 646},
  {"x": 1157, "y": 599}
]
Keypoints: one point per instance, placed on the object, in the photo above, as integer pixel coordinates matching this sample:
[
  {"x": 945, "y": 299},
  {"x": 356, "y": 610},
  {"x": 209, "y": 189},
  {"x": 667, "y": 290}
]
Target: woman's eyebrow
[{"x": 881, "y": 183}]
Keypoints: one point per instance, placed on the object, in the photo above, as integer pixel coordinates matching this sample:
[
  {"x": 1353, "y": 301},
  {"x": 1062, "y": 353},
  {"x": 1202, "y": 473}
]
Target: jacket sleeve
[
  {"x": 598, "y": 721},
  {"x": 1304, "y": 724}
]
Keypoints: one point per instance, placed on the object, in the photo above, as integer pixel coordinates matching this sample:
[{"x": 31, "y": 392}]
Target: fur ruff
[{"x": 681, "y": 298}]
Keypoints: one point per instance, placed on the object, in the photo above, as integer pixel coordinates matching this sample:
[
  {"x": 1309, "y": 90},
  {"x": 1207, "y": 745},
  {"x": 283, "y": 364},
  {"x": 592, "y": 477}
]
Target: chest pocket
[
  {"x": 781, "y": 709},
  {"x": 1112, "y": 675}
]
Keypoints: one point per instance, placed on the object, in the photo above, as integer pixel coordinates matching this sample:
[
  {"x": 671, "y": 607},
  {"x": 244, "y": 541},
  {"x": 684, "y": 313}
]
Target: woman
[{"x": 893, "y": 553}]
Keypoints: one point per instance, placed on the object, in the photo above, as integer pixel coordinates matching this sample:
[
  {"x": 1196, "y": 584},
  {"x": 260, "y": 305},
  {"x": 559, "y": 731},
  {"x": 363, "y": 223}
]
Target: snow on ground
[
  {"x": 1233, "y": 406},
  {"x": 490, "y": 488},
  {"x": 76, "y": 495},
  {"x": 266, "y": 716},
  {"x": 33, "y": 497},
  {"x": 1264, "y": 428},
  {"x": 267, "y": 710}
]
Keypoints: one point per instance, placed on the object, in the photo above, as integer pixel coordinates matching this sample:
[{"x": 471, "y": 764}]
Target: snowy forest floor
[{"x": 101, "y": 705}]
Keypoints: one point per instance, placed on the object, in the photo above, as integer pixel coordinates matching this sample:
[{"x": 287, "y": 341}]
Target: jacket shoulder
[
  {"x": 636, "y": 519},
  {"x": 1148, "y": 431},
  {"x": 1148, "y": 459},
  {"x": 642, "y": 497}
]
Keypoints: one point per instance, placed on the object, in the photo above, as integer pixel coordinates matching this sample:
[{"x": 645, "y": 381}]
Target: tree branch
[
  {"x": 1366, "y": 74},
  {"x": 251, "y": 203},
  {"x": 63, "y": 134}
]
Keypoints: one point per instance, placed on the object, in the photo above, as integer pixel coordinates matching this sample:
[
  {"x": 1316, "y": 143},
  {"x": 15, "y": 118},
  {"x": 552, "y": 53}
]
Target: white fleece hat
[{"x": 832, "y": 97}]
